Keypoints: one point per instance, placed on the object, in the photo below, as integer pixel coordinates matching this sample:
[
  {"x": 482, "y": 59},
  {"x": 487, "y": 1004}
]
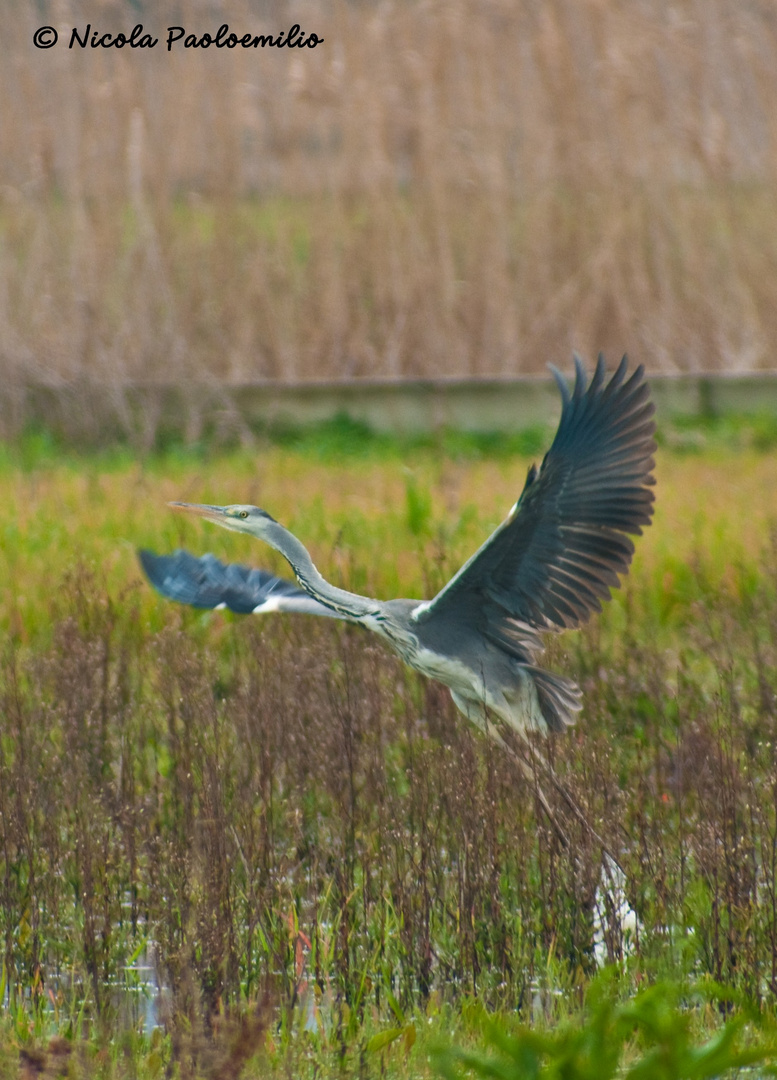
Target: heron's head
[{"x": 239, "y": 518}]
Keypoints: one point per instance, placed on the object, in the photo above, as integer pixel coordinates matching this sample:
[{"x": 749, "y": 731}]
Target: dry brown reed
[{"x": 442, "y": 187}]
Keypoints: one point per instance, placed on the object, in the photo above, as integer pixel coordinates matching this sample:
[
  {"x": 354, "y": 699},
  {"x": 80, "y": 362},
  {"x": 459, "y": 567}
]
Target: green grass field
[{"x": 331, "y": 871}]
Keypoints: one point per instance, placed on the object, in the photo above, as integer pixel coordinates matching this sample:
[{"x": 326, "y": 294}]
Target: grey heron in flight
[{"x": 547, "y": 567}]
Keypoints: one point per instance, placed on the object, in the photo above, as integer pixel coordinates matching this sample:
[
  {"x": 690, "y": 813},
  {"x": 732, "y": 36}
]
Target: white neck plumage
[{"x": 349, "y": 605}]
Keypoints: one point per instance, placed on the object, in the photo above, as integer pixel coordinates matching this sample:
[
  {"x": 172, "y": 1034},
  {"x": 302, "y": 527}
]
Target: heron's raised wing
[
  {"x": 560, "y": 550},
  {"x": 208, "y": 583}
]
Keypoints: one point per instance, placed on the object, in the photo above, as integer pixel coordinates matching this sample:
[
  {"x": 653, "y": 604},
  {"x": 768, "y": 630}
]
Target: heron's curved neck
[{"x": 347, "y": 604}]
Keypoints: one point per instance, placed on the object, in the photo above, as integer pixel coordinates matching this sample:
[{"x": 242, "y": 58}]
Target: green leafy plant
[{"x": 649, "y": 1037}]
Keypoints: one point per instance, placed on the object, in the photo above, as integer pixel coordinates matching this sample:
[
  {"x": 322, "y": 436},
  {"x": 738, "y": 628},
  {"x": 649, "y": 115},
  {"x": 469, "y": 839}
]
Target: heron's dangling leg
[
  {"x": 531, "y": 761},
  {"x": 613, "y": 879},
  {"x": 550, "y": 772},
  {"x": 531, "y": 776},
  {"x": 479, "y": 716}
]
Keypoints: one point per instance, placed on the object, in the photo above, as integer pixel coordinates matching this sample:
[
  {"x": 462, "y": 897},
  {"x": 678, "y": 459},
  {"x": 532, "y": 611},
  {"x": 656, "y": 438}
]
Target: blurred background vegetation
[{"x": 446, "y": 187}]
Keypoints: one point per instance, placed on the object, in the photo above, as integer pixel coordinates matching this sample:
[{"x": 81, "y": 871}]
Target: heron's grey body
[{"x": 547, "y": 567}]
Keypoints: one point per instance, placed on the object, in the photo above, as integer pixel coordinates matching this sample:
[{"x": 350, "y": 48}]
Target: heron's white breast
[{"x": 446, "y": 669}]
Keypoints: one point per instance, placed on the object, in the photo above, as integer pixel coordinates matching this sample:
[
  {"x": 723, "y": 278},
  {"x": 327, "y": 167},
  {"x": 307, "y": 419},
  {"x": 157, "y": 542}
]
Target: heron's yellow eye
[{"x": 243, "y": 513}]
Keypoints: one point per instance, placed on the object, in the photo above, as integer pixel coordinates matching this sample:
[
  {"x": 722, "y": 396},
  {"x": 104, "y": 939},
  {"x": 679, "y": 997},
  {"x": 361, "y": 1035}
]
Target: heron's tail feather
[{"x": 559, "y": 698}]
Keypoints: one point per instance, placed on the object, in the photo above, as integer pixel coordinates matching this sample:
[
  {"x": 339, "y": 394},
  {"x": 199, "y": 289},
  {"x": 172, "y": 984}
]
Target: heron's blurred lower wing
[{"x": 205, "y": 582}]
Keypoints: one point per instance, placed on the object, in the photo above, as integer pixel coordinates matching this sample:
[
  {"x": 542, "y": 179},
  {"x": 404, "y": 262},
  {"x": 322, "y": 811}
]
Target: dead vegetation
[
  {"x": 289, "y": 816},
  {"x": 438, "y": 188}
]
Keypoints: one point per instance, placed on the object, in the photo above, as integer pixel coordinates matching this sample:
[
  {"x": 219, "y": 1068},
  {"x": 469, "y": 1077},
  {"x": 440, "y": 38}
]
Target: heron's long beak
[{"x": 212, "y": 513}]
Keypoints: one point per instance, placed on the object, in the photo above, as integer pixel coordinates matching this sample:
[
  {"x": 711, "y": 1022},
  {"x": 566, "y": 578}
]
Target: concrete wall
[
  {"x": 95, "y": 411},
  {"x": 490, "y": 404}
]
